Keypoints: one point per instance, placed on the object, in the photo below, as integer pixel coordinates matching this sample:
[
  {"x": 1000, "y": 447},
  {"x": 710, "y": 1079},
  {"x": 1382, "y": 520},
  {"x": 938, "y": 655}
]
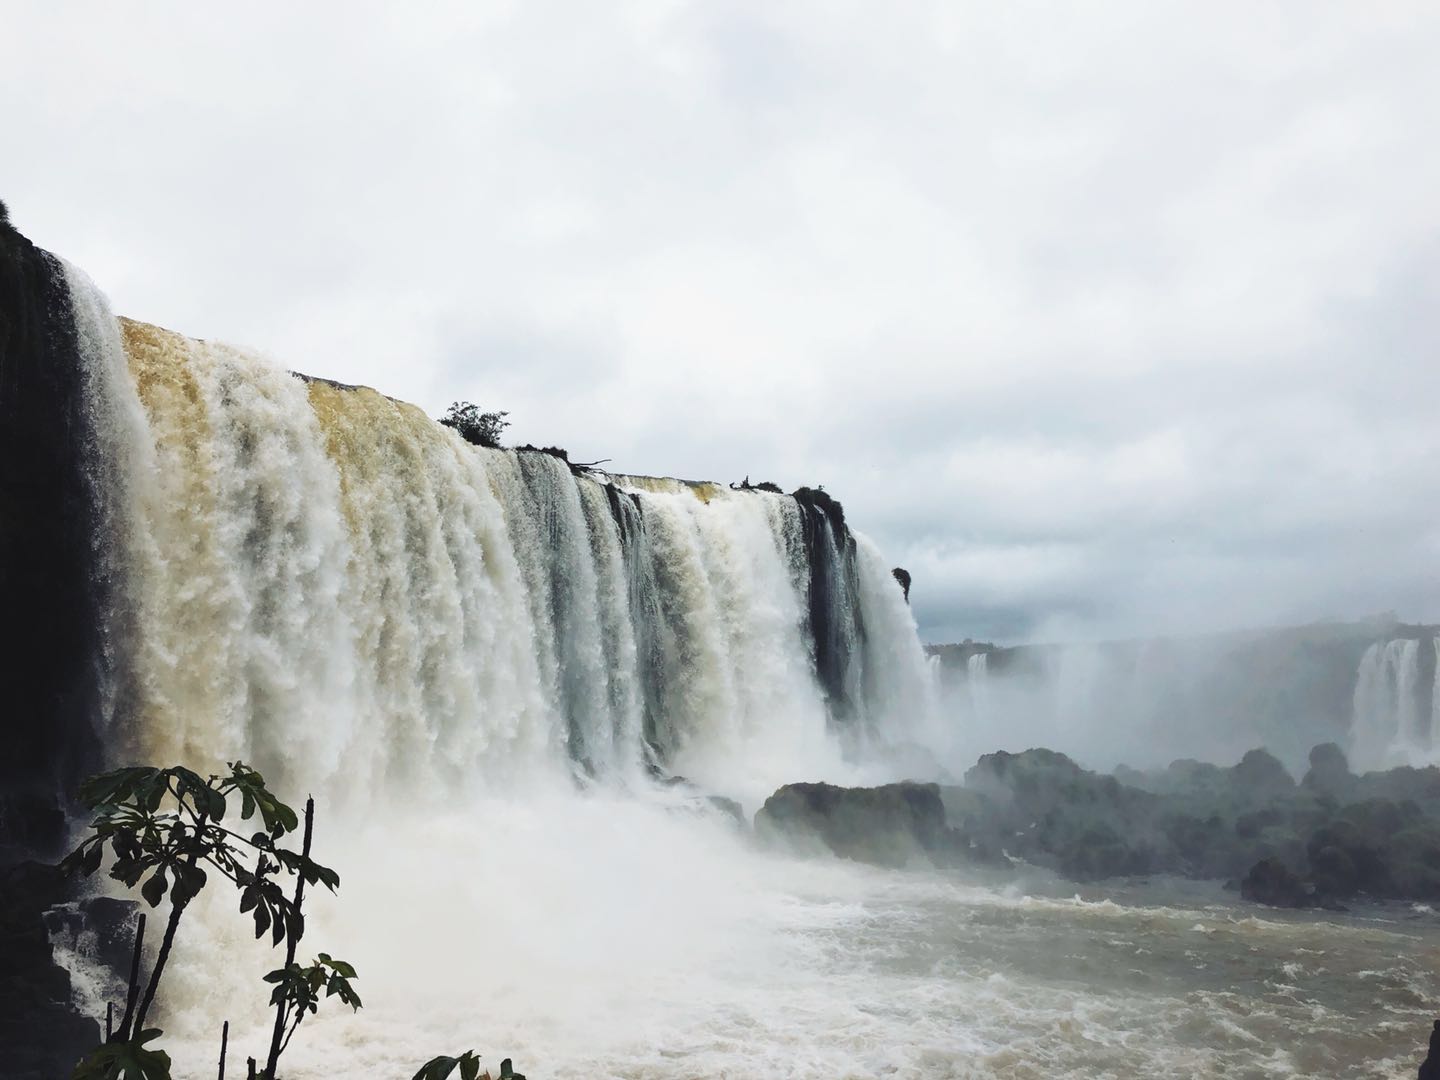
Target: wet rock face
[
  {"x": 903, "y": 577},
  {"x": 1430, "y": 1067},
  {"x": 42, "y": 1033},
  {"x": 892, "y": 825},
  {"x": 110, "y": 922},
  {"x": 49, "y": 598},
  {"x": 51, "y": 601},
  {"x": 1291, "y": 846}
]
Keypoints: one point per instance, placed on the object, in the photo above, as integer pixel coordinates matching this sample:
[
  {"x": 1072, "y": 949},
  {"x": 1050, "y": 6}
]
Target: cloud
[{"x": 1102, "y": 318}]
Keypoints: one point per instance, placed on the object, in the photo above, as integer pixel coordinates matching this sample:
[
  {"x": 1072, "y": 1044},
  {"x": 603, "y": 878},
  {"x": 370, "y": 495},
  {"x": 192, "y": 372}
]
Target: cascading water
[
  {"x": 326, "y": 583},
  {"x": 977, "y": 684},
  {"x": 1391, "y": 723}
]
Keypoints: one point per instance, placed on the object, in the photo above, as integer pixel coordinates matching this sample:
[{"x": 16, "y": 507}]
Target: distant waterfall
[
  {"x": 1397, "y": 711},
  {"x": 977, "y": 683},
  {"x": 324, "y": 581}
]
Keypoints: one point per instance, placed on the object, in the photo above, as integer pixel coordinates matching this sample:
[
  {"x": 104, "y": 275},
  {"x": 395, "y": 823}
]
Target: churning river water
[{"x": 605, "y": 937}]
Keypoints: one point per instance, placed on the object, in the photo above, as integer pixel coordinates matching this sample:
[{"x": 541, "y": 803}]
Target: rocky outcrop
[
  {"x": 1287, "y": 844},
  {"x": 903, "y": 577},
  {"x": 50, "y": 600},
  {"x": 893, "y": 825},
  {"x": 1271, "y": 882},
  {"x": 1430, "y": 1067},
  {"x": 39, "y": 1027},
  {"x": 52, "y": 594}
]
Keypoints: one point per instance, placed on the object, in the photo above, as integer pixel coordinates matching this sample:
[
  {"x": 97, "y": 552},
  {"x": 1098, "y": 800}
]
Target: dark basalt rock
[
  {"x": 1249, "y": 821},
  {"x": 50, "y": 595},
  {"x": 42, "y": 1033},
  {"x": 903, "y": 577},
  {"x": 553, "y": 451},
  {"x": 833, "y": 610},
  {"x": 1430, "y": 1067},
  {"x": 763, "y": 485},
  {"x": 110, "y": 920},
  {"x": 1273, "y": 883},
  {"x": 1049, "y": 811},
  {"x": 823, "y": 501},
  {"x": 891, "y": 825}
]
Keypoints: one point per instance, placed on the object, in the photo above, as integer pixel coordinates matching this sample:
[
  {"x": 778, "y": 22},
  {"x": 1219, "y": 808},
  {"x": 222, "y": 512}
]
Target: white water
[
  {"x": 606, "y": 936},
  {"x": 327, "y": 583},
  {"x": 475, "y": 660},
  {"x": 1391, "y": 724}
]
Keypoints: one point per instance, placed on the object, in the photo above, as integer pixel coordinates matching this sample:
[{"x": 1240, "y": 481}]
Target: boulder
[
  {"x": 1430, "y": 1067},
  {"x": 1273, "y": 883},
  {"x": 893, "y": 825},
  {"x": 37, "y": 1017},
  {"x": 1046, "y": 809},
  {"x": 903, "y": 577}
]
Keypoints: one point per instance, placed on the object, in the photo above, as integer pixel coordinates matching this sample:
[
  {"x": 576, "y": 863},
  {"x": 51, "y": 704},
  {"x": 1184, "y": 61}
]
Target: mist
[{"x": 1368, "y": 687}]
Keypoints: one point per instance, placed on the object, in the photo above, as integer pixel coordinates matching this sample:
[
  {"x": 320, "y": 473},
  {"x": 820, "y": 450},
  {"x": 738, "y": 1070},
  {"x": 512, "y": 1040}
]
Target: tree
[
  {"x": 474, "y": 426},
  {"x": 164, "y": 826}
]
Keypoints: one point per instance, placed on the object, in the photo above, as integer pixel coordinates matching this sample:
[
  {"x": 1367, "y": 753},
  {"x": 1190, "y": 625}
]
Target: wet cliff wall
[{"x": 50, "y": 588}]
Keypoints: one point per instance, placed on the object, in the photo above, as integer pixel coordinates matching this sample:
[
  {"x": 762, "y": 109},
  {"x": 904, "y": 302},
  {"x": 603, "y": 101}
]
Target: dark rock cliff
[{"x": 49, "y": 603}]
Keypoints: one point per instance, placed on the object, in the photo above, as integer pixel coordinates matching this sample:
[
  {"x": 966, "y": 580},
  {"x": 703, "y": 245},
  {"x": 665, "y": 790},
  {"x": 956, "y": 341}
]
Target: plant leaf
[{"x": 154, "y": 890}]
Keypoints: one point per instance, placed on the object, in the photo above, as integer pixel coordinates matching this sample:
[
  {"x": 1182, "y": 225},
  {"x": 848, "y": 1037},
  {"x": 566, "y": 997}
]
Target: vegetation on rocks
[{"x": 474, "y": 426}]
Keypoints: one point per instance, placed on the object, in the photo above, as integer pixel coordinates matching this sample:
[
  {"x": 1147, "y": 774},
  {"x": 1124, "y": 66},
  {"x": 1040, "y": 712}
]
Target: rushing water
[
  {"x": 1397, "y": 715},
  {"x": 480, "y": 661},
  {"x": 608, "y": 937},
  {"x": 329, "y": 584}
]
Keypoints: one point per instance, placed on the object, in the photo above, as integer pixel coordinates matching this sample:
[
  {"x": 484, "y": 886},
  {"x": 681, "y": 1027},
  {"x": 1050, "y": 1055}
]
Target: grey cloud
[{"x": 1102, "y": 318}]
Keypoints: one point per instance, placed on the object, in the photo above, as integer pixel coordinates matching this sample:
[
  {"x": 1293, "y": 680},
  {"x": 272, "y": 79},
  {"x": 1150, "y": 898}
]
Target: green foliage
[
  {"x": 166, "y": 823},
  {"x": 165, "y": 828},
  {"x": 474, "y": 426},
  {"x": 440, "y": 1068},
  {"x": 127, "y": 1060},
  {"x": 300, "y": 987}
]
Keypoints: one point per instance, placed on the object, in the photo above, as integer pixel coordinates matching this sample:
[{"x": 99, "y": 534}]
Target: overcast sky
[{"x": 1103, "y": 319}]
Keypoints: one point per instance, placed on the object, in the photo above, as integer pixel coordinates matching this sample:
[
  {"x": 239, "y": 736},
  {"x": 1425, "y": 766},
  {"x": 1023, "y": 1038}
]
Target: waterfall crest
[{"x": 324, "y": 581}]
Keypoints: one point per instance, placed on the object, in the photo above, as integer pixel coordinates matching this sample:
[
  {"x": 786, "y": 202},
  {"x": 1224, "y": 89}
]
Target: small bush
[{"x": 474, "y": 426}]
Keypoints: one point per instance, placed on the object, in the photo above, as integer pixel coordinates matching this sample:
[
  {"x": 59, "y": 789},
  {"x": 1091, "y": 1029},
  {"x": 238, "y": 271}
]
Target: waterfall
[
  {"x": 977, "y": 684},
  {"x": 1387, "y": 727},
  {"x": 323, "y": 581},
  {"x": 1435, "y": 695}
]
